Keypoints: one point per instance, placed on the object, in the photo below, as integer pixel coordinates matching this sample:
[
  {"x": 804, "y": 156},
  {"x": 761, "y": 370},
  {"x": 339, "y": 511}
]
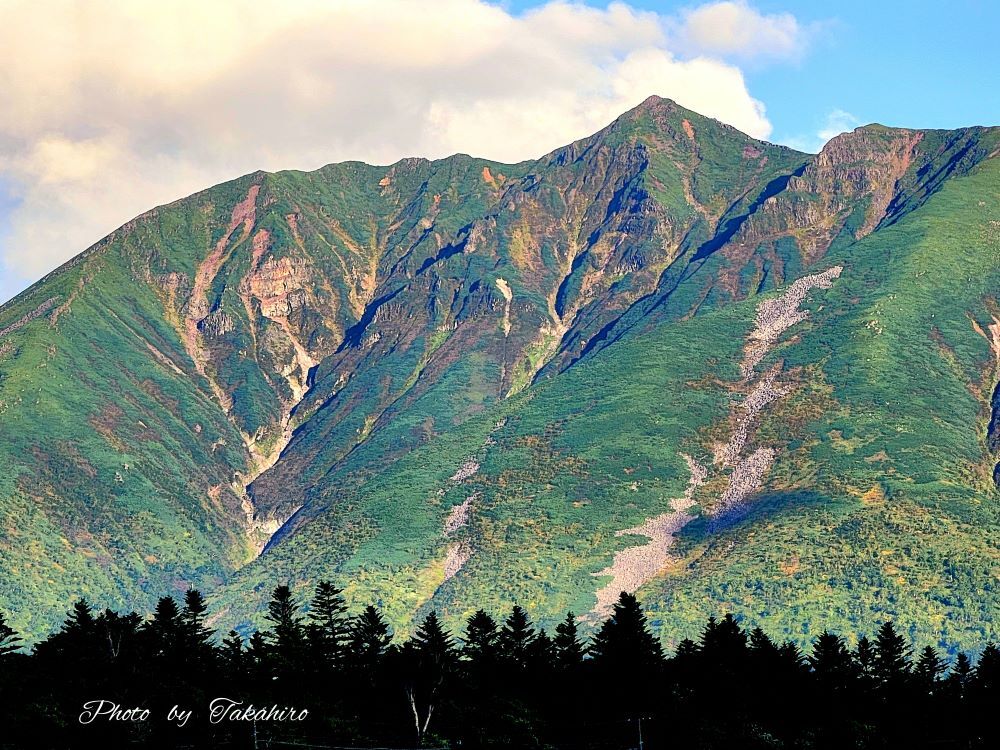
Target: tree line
[{"x": 496, "y": 683}]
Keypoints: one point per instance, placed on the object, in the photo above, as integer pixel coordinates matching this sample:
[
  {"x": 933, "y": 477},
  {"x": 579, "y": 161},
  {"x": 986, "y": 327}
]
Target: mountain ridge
[{"x": 289, "y": 340}]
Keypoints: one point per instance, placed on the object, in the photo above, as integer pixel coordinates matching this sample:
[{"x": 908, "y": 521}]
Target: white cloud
[
  {"x": 111, "y": 107},
  {"x": 837, "y": 121},
  {"x": 732, "y": 28}
]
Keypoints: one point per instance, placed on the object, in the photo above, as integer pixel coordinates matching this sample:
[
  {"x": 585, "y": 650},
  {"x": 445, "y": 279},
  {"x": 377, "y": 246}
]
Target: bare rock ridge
[
  {"x": 634, "y": 566},
  {"x": 744, "y": 471},
  {"x": 228, "y": 375}
]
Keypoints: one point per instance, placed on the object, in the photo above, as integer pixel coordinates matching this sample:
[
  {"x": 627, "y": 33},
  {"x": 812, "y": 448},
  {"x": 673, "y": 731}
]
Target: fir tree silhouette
[
  {"x": 287, "y": 637},
  {"x": 329, "y": 626},
  {"x": 865, "y": 657},
  {"x": 258, "y": 656},
  {"x": 196, "y": 637},
  {"x": 831, "y": 662},
  {"x": 987, "y": 675},
  {"x": 165, "y": 627},
  {"x": 762, "y": 646},
  {"x": 480, "y": 639},
  {"x": 81, "y": 619},
  {"x": 928, "y": 669},
  {"x": 233, "y": 654},
  {"x": 791, "y": 657},
  {"x": 429, "y": 660},
  {"x": 540, "y": 651},
  {"x": 516, "y": 637},
  {"x": 625, "y": 638},
  {"x": 724, "y": 643},
  {"x": 370, "y": 637},
  {"x": 9, "y": 639},
  {"x": 687, "y": 649},
  {"x": 960, "y": 676},
  {"x": 892, "y": 656},
  {"x": 568, "y": 647}
]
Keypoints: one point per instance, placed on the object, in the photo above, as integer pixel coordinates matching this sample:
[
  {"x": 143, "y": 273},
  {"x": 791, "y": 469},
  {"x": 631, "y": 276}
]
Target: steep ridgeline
[
  {"x": 464, "y": 313},
  {"x": 455, "y": 382}
]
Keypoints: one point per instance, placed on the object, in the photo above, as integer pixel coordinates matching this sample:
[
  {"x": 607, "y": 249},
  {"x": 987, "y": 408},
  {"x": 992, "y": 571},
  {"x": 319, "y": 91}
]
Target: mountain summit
[{"x": 668, "y": 358}]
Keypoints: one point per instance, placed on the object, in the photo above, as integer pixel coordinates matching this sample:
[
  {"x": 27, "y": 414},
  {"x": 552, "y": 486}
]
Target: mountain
[{"x": 667, "y": 358}]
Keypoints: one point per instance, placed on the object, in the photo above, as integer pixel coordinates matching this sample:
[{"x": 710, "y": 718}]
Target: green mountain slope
[{"x": 667, "y": 358}]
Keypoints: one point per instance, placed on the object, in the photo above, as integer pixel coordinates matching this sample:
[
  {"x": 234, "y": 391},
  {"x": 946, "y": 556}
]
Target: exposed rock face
[
  {"x": 746, "y": 471},
  {"x": 459, "y": 551},
  {"x": 272, "y": 341},
  {"x": 775, "y": 316},
  {"x": 28, "y": 317},
  {"x": 634, "y": 566}
]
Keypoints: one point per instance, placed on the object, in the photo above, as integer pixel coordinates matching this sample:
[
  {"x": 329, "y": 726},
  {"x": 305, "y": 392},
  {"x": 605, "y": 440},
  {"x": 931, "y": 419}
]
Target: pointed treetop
[
  {"x": 625, "y": 638},
  {"x": 9, "y": 639},
  {"x": 481, "y": 635},
  {"x": 517, "y": 635},
  {"x": 569, "y": 649}
]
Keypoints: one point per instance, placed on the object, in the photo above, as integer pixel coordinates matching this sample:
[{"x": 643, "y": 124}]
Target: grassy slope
[
  {"x": 880, "y": 505},
  {"x": 576, "y": 457},
  {"x": 885, "y": 507},
  {"x": 105, "y": 489}
]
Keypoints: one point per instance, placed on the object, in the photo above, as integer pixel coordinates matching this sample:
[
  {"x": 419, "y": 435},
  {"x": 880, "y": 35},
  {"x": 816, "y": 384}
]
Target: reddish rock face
[{"x": 294, "y": 318}]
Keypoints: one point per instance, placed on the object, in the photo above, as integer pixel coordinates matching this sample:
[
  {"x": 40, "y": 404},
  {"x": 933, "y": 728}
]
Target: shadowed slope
[{"x": 330, "y": 363}]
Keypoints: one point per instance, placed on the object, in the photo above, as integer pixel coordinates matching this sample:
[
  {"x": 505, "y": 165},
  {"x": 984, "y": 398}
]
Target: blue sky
[
  {"x": 105, "y": 113},
  {"x": 911, "y": 64}
]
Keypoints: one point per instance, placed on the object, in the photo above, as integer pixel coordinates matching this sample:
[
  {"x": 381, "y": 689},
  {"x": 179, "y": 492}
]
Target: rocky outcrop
[
  {"x": 634, "y": 566},
  {"x": 993, "y": 431},
  {"x": 745, "y": 468},
  {"x": 198, "y": 305},
  {"x": 775, "y": 316},
  {"x": 38, "y": 312},
  {"x": 458, "y": 551}
]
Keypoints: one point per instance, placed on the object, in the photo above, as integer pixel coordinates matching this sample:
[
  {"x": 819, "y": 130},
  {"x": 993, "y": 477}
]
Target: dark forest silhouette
[{"x": 495, "y": 684}]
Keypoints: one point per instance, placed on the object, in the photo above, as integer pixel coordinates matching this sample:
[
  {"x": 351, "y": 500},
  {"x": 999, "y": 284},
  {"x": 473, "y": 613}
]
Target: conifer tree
[
  {"x": 430, "y": 658},
  {"x": 81, "y": 618},
  {"x": 370, "y": 637},
  {"x": 791, "y": 656},
  {"x": 929, "y": 668},
  {"x": 9, "y": 639},
  {"x": 195, "y": 635},
  {"x": 987, "y": 676},
  {"x": 329, "y": 626},
  {"x": 624, "y": 639},
  {"x": 433, "y": 643},
  {"x": 686, "y": 649},
  {"x": 960, "y": 676},
  {"x": 724, "y": 642},
  {"x": 865, "y": 658},
  {"x": 480, "y": 639},
  {"x": 568, "y": 647},
  {"x": 287, "y": 635},
  {"x": 78, "y": 636},
  {"x": 892, "y": 655},
  {"x": 165, "y": 627},
  {"x": 831, "y": 661},
  {"x": 687, "y": 665},
  {"x": 540, "y": 651},
  {"x": 258, "y": 656},
  {"x": 761, "y": 644},
  {"x": 516, "y": 637},
  {"x": 233, "y": 654},
  {"x": 257, "y": 648}
]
